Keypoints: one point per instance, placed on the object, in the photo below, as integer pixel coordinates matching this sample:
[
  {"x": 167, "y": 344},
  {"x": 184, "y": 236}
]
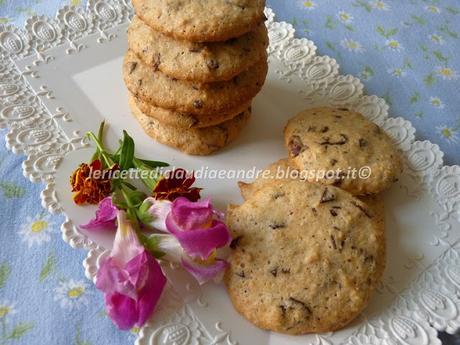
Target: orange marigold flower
[
  {"x": 177, "y": 184},
  {"x": 91, "y": 183}
]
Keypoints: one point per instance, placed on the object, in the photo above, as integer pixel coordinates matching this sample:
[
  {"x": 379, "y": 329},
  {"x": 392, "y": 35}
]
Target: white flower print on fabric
[
  {"x": 344, "y": 17},
  {"x": 352, "y": 45},
  {"x": 436, "y": 102},
  {"x": 446, "y": 73},
  {"x": 397, "y": 72},
  {"x": 435, "y": 38},
  {"x": 7, "y": 309},
  {"x": 448, "y": 133},
  {"x": 308, "y": 4},
  {"x": 37, "y": 230},
  {"x": 380, "y": 5},
  {"x": 72, "y": 294},
  {"x": 433, "y": 9},
  {"x": 393, "y": 45}
]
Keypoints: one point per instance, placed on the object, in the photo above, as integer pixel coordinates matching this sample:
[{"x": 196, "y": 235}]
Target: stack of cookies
[
  {"x": 309, "y": 250},
  {"x": 193, "y": 68}
]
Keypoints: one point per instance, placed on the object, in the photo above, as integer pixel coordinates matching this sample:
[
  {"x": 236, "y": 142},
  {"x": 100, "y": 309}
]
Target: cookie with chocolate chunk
[
  {"x": 281, "y": 170},
  {"x": 304, "y": 257},
  {"x": 187, "y": 120},
  {"x": 276, "y": 170},
  {"x": 152, "y": 86},
  {"x": 341, "y": 147},
  {"x": 201, "y": 20},
  {"x": 198, "y": 62},
  {"x": 193, "y": 141}
]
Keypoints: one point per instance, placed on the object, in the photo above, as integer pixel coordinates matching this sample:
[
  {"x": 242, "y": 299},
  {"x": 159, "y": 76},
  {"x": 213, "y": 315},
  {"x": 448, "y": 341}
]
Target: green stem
[
  {"x": 128, "y": 201},
  {"x": 107, "y": 160}
]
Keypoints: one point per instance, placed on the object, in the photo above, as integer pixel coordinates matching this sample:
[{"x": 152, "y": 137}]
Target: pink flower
[
  {"x": 204, "y": 272},
  {"x": 194, "y": 226},
  {"x": 154, "y": 213},
  {"x": 130, "y": 278},
  {"x": 106, "y": 216}
]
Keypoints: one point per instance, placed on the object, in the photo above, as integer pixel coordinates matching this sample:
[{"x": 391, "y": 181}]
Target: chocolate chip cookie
[
  {"x": 342, "y": 148},
  {"x": 198, "y": 62},
  {"x": 194, "y": 141},
  {"x": 187, "y": 120},
  {"x": 201, "y": 20},
  {"x": 152, "y": 86},
  {"x": 281, "y": 170},
  {"x": 305, "y": 257}
]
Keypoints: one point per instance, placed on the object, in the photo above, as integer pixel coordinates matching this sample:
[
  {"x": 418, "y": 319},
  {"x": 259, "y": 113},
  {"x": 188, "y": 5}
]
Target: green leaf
[
  {"x": 19, "y": 330},
  {"x": 105, "y": 157},
  {"x": 127, "y": 152},
  {"x": 429, "y": 79},
  {"x": 349, "y": 27},
  {"x": 78, "y": 337},
  {"x": 380, "y": 30},
  {"x": 126, "y": 198},
  {"x": 419, "y": 19},
  {"x": 415, "y": 98},
  {"x": 48, "y": 267},
  {"x": 445, "y": 28},
  {"x": 368, "y": 71},
  {"x": 407, "y": 63},
  {"x": 154, "y": 164},
  {"x": 363, "y": 4},
  {"x": 100, "y": 137},
  {"x": 5, "y": 272},
  {"x": 330, "y": 45},
  {"x": 453, "y": 10},
  {"x": 12, "y": 191},
  {"x": 149, "y": 176},
  {"x": 330, "y": 23},
  {"x": 392, "y": 32},
  {"x": 438, "y": 55},
  {"x": 132, "y": 217},
  {"x": 387, "y": 98},
  {"x": 151, "y": 243},
  {"x": 386, "y": 33},
  {"x": 143, "y": 213}
]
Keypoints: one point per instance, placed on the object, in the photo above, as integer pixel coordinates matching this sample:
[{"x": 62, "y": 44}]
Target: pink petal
[
  {"x": 138, "y": 270},
  {"x": 132, "y": 292},
  {"x": 192, "y": 215},
  {"x": 122, "y": 310},
  {"x": 150, "y": 294},
  {"x": 159, "y": 211},
  {"x": 200, "y": 242},
  {"x": 126, "y": 245},
  {"x": 106, "y": 215},
  {"x": 114, "y": 279},
  {"x": 204, "y": 273}
]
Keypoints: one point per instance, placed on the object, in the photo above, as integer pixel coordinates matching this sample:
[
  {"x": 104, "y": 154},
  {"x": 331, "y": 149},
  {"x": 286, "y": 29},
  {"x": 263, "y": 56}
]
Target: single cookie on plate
[
  {"x": 153, "y": 86},
  {"x": 201, "y": 20},
  {"x": 341, "y": 147},
  {"x": 195, "y": 141},
  {"x": 198, "y": 62},
  {"x": 281, "y": 170},
  {"x": 305, "y": 257},
  {"x": 187, "y": 120}
]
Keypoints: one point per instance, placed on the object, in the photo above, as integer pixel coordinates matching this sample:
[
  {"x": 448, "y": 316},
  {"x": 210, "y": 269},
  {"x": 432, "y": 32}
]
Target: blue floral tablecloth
[{"x": 405, "y": 51}]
